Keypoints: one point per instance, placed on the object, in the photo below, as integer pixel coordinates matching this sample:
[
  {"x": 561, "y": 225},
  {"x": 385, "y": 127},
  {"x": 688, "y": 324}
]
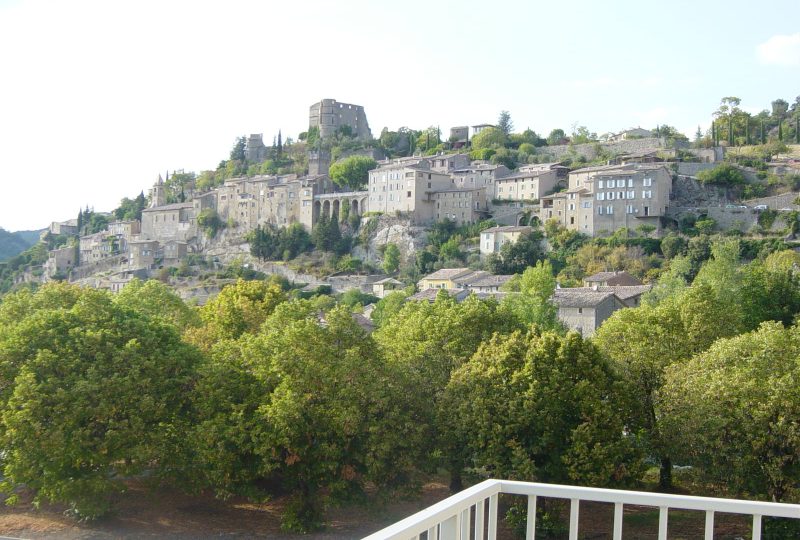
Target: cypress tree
[
  {"x": 763, "y": 135},
  {"x": 797, "y": 130},
  {"x": 780, "y": 130},
  {"x": 730, "y": 131},
  {"x": 713, "y": 133},
  {"x": 747, "y": 131}
]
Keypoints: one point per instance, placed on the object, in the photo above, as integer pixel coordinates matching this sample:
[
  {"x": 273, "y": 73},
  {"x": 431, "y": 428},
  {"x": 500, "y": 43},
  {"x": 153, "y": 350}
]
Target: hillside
[{"x": 12, "y": 244}]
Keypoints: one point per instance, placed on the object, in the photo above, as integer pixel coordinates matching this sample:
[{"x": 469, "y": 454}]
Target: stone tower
[
  {"x": 254, "y": 149},
  {"x": 158, "y": 195},
  {"x": 329, "y": 115}
]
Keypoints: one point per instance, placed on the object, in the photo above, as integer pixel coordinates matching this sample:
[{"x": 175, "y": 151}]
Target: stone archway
[
  {"x": 335, "y": 213},
  {"x": 326, "y": 209},
  {"x": 315, "y": 211},
  {"x": 354, "y": 207}
]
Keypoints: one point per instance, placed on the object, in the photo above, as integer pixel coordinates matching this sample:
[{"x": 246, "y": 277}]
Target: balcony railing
[{"x": 463, "y": 516}]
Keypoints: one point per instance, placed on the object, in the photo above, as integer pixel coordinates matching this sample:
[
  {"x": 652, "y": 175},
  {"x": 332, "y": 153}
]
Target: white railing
[{"x": 463, "y": 516}]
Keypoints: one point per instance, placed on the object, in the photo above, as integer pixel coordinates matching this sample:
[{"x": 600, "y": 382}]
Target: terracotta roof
[
  {"x": 623, "y": 292},
  {"x": 387, "y": 281},
  {"x": 176, "y": 206}
]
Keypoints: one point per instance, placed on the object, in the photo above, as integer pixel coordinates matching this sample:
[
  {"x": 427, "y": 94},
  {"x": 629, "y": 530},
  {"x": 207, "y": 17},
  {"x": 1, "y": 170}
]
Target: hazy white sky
[{"x": 98, "y": 97}]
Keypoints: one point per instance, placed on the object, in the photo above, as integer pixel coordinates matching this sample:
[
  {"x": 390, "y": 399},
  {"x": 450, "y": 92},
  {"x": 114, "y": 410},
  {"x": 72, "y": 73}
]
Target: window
[
  {"x": 621, "y": 195},
  {"x": 408, "y": 194},
  {"x": 611, "y": 196},
  {"x": 647, "y": 182},
  {"x": 580, "y": 310},
  {"x": 621, "y": 182},
  {"x": 630, "y": 182},
  {"x": 600, "y": 210},
  {"x": 600, "y": 184},
  {"x": 609, "y": 209},
  {"x": 601, "y": 196},
  {"x": 631, "y": 194},
  {"x": 629, "y": 209},
  {"x": 586, "y": 204},
  {"x": 572, "y": 206},
  {"x": 647, "y": 194}
]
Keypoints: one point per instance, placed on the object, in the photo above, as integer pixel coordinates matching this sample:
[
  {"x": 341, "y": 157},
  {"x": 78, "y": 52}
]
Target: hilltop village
[{"x": 634, "y": 180}]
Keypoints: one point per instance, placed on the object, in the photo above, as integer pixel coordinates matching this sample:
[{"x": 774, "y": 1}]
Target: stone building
[
  {"x": 526, "y": 185},
  {"x": 254, "y": 149},
  {"x": 143, "y": 253},
  {"x": 66, "y": 228},
  {"x": 494, "y": 238},
  {"x": 61, "y": 261},
  {"x": 170, "y": 222},
  {"x": 602, "y": 199},
  {"x": 610, "y": 279},
  {"x": 329, "y": 115},
  {"x": 407, "y": 186},
  {"x": 584, "y": 310},
  {"x": 459, "y": 136},
  {"x": 479, "y": 175},
  {"x": 463, "y": 206},
  {"x": 98, "y": 246}
]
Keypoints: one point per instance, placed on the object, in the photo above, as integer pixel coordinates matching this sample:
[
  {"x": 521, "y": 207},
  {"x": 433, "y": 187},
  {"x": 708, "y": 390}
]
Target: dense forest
[{"x": 264, "y": 388}]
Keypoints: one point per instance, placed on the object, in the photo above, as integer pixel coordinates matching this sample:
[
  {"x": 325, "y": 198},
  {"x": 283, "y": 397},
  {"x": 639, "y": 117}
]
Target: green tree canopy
[
  {"x": 733, "y": 410},
  {"x": 352, "y": 172},
  {"x": 489, "y": 138},
  {"x": 115, "y": 380}
]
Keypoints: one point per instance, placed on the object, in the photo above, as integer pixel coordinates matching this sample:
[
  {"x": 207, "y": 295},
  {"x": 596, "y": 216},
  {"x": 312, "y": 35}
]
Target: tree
[
  {"x": 239, "y": 308},
  {"x": 534, "y": 304},
  {"x": 540, "y": 407},
  {"x": 515, "y": 257},
  {"x": 732, "y": 411},
  {"x": 208, "y": 220},
  {"x": 430, "y": 340},
  {"x": 504, "y": 123},
  {"x": 336, "y": 417},
  {"x": 155, "y": 300},
  {"x": 353, "y": 172},
  {"x": 489, "y": 138},
  {"x": 237, "y": 152},
  {"x": 582, "y": 135},
  {"x": 724, "y": 174},
  {"x": 116, "y": 381},
  {"x": 556, "y": 136},
  {"x": 391, "y": 258}
]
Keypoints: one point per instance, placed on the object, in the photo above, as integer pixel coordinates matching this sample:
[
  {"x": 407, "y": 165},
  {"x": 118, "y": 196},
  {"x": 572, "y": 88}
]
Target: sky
[{"x": 97, "y": 98}]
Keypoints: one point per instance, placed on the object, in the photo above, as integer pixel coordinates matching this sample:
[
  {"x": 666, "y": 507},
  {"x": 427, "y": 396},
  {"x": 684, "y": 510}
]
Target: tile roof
[
  {"x": 580, "y": 297},
  {"x": 613, "y": 278},
  {"x": 508, "y": 228},
  {"x": 430, "y": 294},
  {"x": 448, "y": 273},
  {"x": 491, "y": 281}
]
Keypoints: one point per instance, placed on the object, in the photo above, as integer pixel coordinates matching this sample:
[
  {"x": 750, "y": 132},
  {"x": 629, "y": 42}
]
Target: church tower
[{"x": 158, "y": 195}]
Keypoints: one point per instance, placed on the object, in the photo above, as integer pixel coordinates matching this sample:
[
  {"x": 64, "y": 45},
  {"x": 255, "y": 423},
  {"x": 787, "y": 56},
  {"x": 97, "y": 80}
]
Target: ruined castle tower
[
  {"x": 254, "y": 149},
  {"x": 329, "y": 115}
]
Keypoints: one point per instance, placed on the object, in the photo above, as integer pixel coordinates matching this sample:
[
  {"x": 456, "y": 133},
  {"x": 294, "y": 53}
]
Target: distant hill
[{"x": 15, "y": 243}]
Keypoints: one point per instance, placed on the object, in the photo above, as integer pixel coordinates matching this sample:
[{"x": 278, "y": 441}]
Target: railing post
[
  {"x": 530, "y": 525},
  {"x": 756, "y": 527},
  {"x": 574, "y": 508},
  {"x": 448, "y": 529},
  {"x": 709, "y": 525},
  {"x": 465, "y": 517},
  {"x": 492, "y": 533},
  {"x": 663, "y": 516},
  {"x": 618, "y": 517},
  {"x": 479, "y": 519}
]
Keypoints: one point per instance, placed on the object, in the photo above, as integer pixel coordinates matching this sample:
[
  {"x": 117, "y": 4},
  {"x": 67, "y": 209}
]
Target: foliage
[
  {"x": 131, "y": 209},
  {"x": 515, "y": 257},
  {"x": 209, "y": 221},
  {"x": 352, "y": 173},
  {"x": 239, "y": 308},
  {"x": 12, "y": 244},
  {"x": 268, "y": 242},
  {"x": 391, "y": 258},
  {"x": 733, "y": 409},
  {"x": 115, "y": 380},
  {"x": 724, "y": 174},
  {"x": 504, "y": 123},
  {"x": 354, "y": 297},
  {"x": 489, "y": 137},
  {"x": 541, "y": 407},
  {"x": 156, "y": 301}
]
